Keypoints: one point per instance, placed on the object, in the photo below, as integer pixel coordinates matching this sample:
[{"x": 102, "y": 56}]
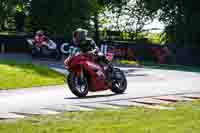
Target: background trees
[
  {"x": 60, "y": 17},
  {"x": 182, "y": 18},
  {"x": 130, "y": 17},
  {"x": 6, "y": 10},
  {"x": 12, "y": 12}
]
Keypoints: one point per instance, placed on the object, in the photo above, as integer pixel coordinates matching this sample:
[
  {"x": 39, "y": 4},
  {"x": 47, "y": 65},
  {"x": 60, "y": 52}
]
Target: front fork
[{"x": 81, "y": 73}]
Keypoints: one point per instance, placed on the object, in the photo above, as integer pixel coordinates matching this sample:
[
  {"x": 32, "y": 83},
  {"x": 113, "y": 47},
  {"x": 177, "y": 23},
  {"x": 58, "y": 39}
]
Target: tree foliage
[
  {"x": 130, "y": 17},
  {"x": 181, "y": 17},
  {"x": 6, "y": 9},
  {"x": 61, "y": 16},
  {"x": 99, "y": 6},
  {"x": 10, "y": 8}
]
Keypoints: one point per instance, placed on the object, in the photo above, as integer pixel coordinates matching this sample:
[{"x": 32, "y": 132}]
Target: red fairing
[
  {"x": 94, "y": 71},
  {"x": 97, "y": 76},
  {"x": 74, "y": 63}
]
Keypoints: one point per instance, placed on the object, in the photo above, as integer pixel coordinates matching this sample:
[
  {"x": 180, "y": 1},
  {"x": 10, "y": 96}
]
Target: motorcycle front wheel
[
  {"x": 78, "y": 85},
  {"x": 119, "y": 81}
]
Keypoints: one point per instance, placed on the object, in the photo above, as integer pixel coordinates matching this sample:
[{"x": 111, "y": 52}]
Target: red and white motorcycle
[{"x": 47, "y": 48}]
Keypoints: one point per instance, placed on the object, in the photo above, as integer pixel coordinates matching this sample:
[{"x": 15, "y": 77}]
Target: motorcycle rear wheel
[
  {"x": 45, "y": 51},
  {"x": 119, "y": 81},
  {"x": 78, "y": 86}
]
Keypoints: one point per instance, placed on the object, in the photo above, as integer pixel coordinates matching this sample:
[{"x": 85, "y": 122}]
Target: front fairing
[{"x": 93, "y": 71}]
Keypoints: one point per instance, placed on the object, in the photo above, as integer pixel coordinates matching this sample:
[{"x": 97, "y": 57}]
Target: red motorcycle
[{"x": 85, "y": 75}]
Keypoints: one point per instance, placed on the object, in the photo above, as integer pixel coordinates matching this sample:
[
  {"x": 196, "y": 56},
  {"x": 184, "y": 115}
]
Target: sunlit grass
[
  {"x": 128, "y": 62},
  {"x": 184, "y": 119},
  {"x": 20, "y": 75}
]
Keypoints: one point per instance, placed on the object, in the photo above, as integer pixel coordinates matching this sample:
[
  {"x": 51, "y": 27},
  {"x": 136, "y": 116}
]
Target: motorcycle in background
[{"x": 48, "y": 49}]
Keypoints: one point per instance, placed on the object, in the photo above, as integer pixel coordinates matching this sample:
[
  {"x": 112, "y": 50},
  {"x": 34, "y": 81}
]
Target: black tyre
[
  {"x": 78, "y": 86},
  {"x": 58, "y": 55},
  {"x": 119, "y": 81},
  {"x": 34, "y": 53},
  {"x": 45, "y": 51}
]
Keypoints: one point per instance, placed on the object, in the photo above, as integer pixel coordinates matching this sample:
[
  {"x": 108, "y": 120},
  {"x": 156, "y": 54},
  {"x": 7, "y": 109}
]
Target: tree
[
  {"x": 10, "y": 9},
  {"x": 131, "y": 18},
  {"x": 6, "y": 9},
  {"x": 99, "y": 6},
  {"x": 139, "y": 16},
  {"x": 57, "y": 17},
  {"x": 61, "y": 17},
  {"x": 182, "y": 19}
]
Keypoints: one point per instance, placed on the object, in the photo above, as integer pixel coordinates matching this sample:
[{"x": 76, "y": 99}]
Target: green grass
[
  {"x": 24, "y": 75},
  {"x": 154, "y": 38},
  {"x": 184, "y": 119},
  {"x": 7, "y": 33},
  {"x": 128, "y": 62}
]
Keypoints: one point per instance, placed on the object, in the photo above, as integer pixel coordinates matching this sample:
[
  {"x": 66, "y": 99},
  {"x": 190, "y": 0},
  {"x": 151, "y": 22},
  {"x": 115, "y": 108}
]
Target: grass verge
[
  {"x": 185, "y": 119},
  {"x": 126, "y": 62},
  {"x": 24, "y": 75}
]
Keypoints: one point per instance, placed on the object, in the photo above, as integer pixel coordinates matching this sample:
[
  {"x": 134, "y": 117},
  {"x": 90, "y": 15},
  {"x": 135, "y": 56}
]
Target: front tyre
[
  {"x": 119, "y": 81},
  {"x": 78, "y": 85}
]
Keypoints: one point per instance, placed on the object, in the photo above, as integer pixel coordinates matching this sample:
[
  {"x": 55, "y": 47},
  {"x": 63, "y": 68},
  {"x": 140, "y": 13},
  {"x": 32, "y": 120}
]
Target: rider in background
[{"x": 40, "y": 38}]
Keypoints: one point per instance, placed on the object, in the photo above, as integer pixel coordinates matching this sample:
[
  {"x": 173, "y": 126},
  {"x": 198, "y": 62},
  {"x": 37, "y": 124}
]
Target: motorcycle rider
[
  {"x": 39, "y": 38},
  {"x": 88, "y": 45}
]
